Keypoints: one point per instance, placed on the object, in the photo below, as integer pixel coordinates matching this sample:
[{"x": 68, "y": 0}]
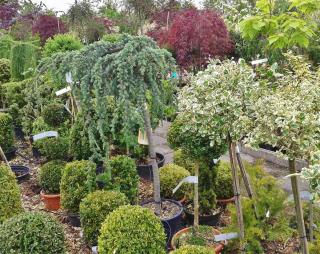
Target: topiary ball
[
  {"x": 6, "y": 132},
  {"x": 124, "y": 177},
  {"x": 224, "y": 182},
  {"x": 77, "y": 180},
  {"x": 132, "y": 229},
  {"x": 54, "y": 114},
  {"x": 192, "y": 249},
  {"x": 32, "y": 233},
  {"x": 55, "y": 148},
  {"x": 170, "y": 176},
  {"x": 50, "y": 176},
  {"x": 94, "y": 209},
  {"x": 61, "y": 43},
  {"x": 10, "y": 202}
]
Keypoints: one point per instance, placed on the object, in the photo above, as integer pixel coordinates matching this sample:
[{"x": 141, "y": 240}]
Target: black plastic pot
[
  {"x": 18, "y": 132},
  {"x": 74, "y": 220},
  {"x": 210, "y": 220},
  {"x": 22, "y": 173},
  {"x": 100, "y": 184},
  {"x": 10, "y": 154},
  {"x": 172, "y": 225},
  {"x": 36, "y": 153},
  {"x": 145, "y": 171},
  {"x": 99, "y": 168}
]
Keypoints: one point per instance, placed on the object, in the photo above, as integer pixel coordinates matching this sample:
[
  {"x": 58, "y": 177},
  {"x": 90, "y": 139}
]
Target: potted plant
[
  {"x": 10, "y": 202},
  {"x": 49, "y": 180},
  {"x": 77, "y": 180},
  {"x": 132, "y": 229},
  {"x": 32, "y": 233},
  {"x": 7, "y": 136},
  {"x": 224, "y": 185}
]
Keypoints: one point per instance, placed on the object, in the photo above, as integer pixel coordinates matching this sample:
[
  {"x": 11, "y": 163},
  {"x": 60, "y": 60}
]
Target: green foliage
[
  {"x": 54, "y": 148},
  {"x": 78, "y": 179},
  {"x": 224, "y": 183},
  {"x": 54, "y": 114},
  {"x": 23, "y": 60},
  {"x": 193, "y": 249},
  {"x": 132, "y": 229},
  {"x": 32, "y": 233},
  {"x": 112, "y": 38},
  {"x": 94, "y": 209},
  {"x": 4, "y": 70},
  {"x": 61, "y": 43},
  {"x": 6, "y": 132},
  {"x": 50, "y": 176},
  {"x": 123, "y": 177},
  {"x": 6, "y": 43},
  {"x": 269, "y": 198},
  {"x": 190, "y": 238},
  {"x": 10, "y": 202},
  {"x": 170, "y": 176},
  {"x": 293, "y": 26}
]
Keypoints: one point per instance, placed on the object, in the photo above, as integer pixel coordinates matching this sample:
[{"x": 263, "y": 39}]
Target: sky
[{"x": 63, "y": 5}]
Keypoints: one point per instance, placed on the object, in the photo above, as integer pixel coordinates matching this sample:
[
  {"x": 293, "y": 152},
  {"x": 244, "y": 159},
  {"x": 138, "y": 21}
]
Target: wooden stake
[
  {"x": 196, "y": 199},
  {"x": 246, "y": 180},
  {"x": 298, "y": 207},
  {"x": 4, "y": 157},
  {"x": 311, "y": 220},
  {"x": 236, "y": 186}
]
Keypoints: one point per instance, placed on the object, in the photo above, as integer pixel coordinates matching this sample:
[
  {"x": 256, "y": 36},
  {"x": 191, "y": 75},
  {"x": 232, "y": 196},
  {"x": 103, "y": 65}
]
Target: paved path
[{"x": 279, "y": 172}]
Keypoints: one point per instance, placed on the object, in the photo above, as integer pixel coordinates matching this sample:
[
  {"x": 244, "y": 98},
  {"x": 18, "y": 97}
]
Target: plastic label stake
[
  {"x": 47, "y": 134},
  {"x": 259, "y": 61},
  {"x": 224, "y": 237},
  {"x": 69, "y": 77},
  {"x": 189, "y": 179},
  {"x": 63, "y": 91}
]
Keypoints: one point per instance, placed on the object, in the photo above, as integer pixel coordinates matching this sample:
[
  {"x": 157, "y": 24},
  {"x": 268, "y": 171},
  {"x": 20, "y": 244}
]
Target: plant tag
[
  {"x": 237, "y": 149},
  {"x": 47, "y": 134},
  {"x": 224, "y": 237},
  {"x": 259, "y": 61},
  {"x": 189, "y": 179},
  {"x": 63, "y": 91},
  {"x": 215, "y": 161},
  {"x": 69, "y": 77},
  {"x": 268, "y": 214},
  {"x": 94, "y": 249}
]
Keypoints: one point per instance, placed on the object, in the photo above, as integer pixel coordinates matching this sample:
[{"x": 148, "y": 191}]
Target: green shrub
[
  {"x": 6, "y": 132},
  {"x": 54, "y": 148},
  {"x": 94, "y": 209},
  {"x": 132, "y": 229},
  {"x": 10, "y": 202},
  {"x": 6, "y": 43},
  {"x": 61, "y": 43},
  {"x": 192, "y": 249},
  {"x": 112, "y": 37},
  {"x": 5, "y": 73},
  {"x": 170, "y": 176},
  {"x": 124, "y": 177},
  {"x": 224, "y": 182},
  {"x": 32, "y": 233},
  {"x": 54, "y": 114},
  {"x": 78, "y": 179},
  {"x": 50, "y": 176},
  {"x": 180, "y": 158}
]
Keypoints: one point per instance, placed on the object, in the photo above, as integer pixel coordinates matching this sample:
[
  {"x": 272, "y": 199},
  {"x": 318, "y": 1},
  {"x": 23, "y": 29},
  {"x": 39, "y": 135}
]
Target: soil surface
[{"x": 168, "y": 209}]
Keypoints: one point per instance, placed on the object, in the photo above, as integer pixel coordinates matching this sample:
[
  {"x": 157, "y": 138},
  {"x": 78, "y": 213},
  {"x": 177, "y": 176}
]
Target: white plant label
[
  {"x": 268, "y": 214},
  {"x": 69, "y": 77},
  {"x": 189, "y": 179},
  {"x": 224, "y": 237},
  {"x": 94, "y": 249},
  {"x": 63, "y": 91},
  {"x": 47, "y": 134},
  {"x": 259, "y": 61}
]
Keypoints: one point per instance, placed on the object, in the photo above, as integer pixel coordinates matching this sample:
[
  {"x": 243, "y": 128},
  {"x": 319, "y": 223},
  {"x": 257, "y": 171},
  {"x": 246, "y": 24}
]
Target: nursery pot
[
  {"x": 217, "y": 247},
  {"x": 22, "y": 172},
  {"x": 11, "y": 153},
  {"x": 36, "y": 153},
  {"x": 18, "y": 132},
  {"x": 51, "y": 201},
  {"x": 145, "y": 171},
  {"x": 173, "y": 224},
  {"x": 224, "y": 202},
  {"x": 100, "y": 184},
  {"x": 209, "y": 220},
  {"x": 99, "y": 168},
  {"x": 74, "y": 219}
]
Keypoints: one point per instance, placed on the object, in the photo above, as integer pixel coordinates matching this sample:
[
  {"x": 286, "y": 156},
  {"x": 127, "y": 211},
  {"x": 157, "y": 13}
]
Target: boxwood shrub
[
  {"x": 54, "y": 114},
  {"x": 50, "y": 176},
  {"x": 32, "y": 233},
  {"x": 224, "y": 184},
  {"x": 170, "y": 176},
  {"x": 94, "y": 209},
  {"x": 10, "y": 202},
  {"x": 77, "y": 180},
  {"x": 54, "y": 148},
  {"x": 193, "y": 249},
  {"x": 6, "y": 132},
  {"x": 132, "y": 229}
]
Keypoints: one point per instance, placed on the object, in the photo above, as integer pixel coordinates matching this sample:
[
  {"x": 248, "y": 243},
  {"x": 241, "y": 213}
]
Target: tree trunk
[
  {"x": 298, "y": 207},
  {"x": 4, "y": 157},
  {"x": 152, "y": 155},
  {"x": 236, "y": 186},
  {"x": 196, "y": 200}
]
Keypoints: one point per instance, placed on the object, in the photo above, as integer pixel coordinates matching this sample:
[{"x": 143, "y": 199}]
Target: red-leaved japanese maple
[
  {"x": 195, "y": 36},
  {"x": 47, "y": 26},
  {"x": 8, "y": 12}
]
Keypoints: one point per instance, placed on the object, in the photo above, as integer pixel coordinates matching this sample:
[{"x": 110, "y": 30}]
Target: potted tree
[{"x": 49, "y": 180}]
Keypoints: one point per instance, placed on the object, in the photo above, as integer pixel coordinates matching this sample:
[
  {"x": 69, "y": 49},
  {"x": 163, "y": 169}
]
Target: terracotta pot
[
  {"x": 217, "y": 248},
  {"x": 51, "y": 201},
  {"x": 225, "y": 202}
]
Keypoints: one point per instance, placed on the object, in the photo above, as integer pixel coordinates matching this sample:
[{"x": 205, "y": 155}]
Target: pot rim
[
  {"x": 218, "y": 209},
  {"x": 48, "y": 195},
  {"x": 226, "y": 200}
]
